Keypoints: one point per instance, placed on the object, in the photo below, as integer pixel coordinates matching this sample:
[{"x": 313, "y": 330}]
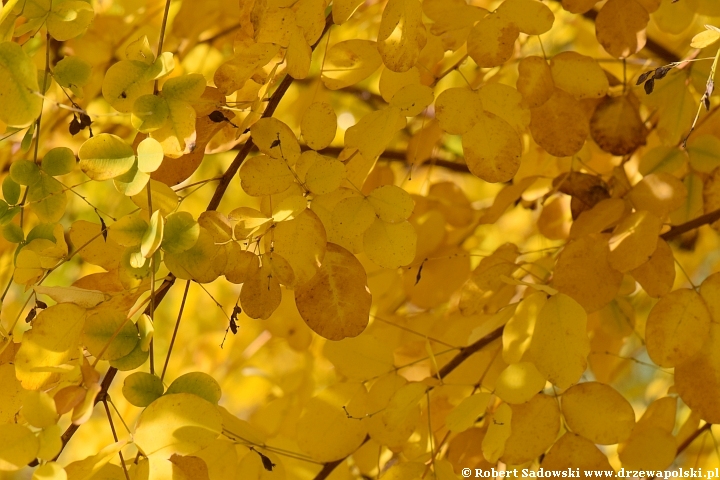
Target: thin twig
[{"x": 175, "y": 331}]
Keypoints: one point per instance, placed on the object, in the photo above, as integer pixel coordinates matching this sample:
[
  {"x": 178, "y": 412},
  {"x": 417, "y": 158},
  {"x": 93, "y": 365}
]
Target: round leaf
[
  {"x": 105, "y": 156},
  {"x": 141, "y": 389},
  {"x": 197, "y": 383},
  {"x": 180, "y": 424}
]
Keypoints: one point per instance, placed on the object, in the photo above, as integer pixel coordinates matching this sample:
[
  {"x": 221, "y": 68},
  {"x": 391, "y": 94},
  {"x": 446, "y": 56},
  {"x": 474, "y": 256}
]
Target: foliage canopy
[{"x": 309, "y": 239}]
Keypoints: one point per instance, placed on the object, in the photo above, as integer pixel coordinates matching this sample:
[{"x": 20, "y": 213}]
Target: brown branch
[
  {"x": 400, "y": 156},
  {"x": 269, "y": 111},
  {"x": 691, "y": 225},
  {"x": 456, "y": 361},
  {"x": 468, "y": 351}
]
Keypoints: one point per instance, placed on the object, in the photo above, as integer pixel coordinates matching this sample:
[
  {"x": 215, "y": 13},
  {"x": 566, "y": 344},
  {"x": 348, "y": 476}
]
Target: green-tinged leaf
[
  {"x": 153, "y": 236},
  {"x": 19, "y": 105},
  {"x": 149, "y": 155},
  {"x": 58, "y": 161},
  {"x": 11, "y": 191},
  {"x": 24, "y": 172},
  {"x": 109, "y": 335},
  {"x": 149, "y": 113},
  {"x": 105, "y": 156},
  {"x": 141, "y": 389},
  {"x": 47, "y": 199},
  {"x": 181, "y": 232},
  {"x": 197, "y": 383}
]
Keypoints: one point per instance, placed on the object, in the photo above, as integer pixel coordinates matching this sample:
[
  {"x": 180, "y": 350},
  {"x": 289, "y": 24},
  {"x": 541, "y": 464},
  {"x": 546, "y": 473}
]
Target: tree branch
[{"x": 678, "y": 230}]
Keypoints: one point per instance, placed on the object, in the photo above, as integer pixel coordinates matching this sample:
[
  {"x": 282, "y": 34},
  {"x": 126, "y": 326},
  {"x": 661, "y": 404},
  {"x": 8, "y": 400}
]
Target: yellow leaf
[
  {"x": 533, "y": 428},
  {"x": 560, "y": 345},
  {"x": 241, "y": 264},
  {"x": 360, "y": 358},
  {"x": 658, "y": 193},
  {"x": 299, "y": 55},
  {"x": 53, "y": 340},
  {"x": 261, "y": 294},
  {"x": 606, "y": 213},
  {"x": 696, "y": 380},
  {"x": 458, "y": 110},
  {"x": 710, "y": 292},
  {"x": 620, "y": 27},
  {"x": 39, "y": 409},
  {"x": 634, "y": 240},
  {"x": 492, "y": 40},
  {"x": 301, "y": 241},
  {"x": 651, "y": 449},
  {"x": 50, "y": 471},
  {"x": 342, "y": 10},
  {"x": 11, "y": 396},
  {"x": 677, "y": 327},
  {"x": 390, "y": 245},
  {"x": 92, "y": 465},
  {"x": 19, "y": 104},
  {"x": 372, "y": 134},
  {"x": 412, "y": 99},
  {"x": 519, "y": 382},
  {"x": 153, "y": 235},
  {"x": 507, "y": 103},
  {"x": 518, "y": 332},
  {"x": 402, "y": 34},
  {"x": 325, "y": 175},
  {"x": 350, "y": 62},
  {"x": 657, "y": 275},
  {"x": 335, "y": 303},
  {"x": 493, "y": 444},
  {"x": 492, "y": 149},
  {"x": 703, "y": 151},
  {"x": 579, "y": 75},
  {"x": 584, "y": 273},
  {"x": 325, "y": 432},
  {"x": 573, "y": 451},
  {"x": 233, "y": 74},
  {"x": 598, "y": 412},
  {"x": 79, "y": 296},
  {"x": 50, "y": 442},
  {"x": 276, "y": 139},
  {"x": 705, "y": 39},
  {"x": 560, "y": 125},
  {"x": 616, "y": 126},
  {"x": 180, "y": 423},
  {"x": 392, "y": 204},
  {"x": 535, "y": 81},
  {"x": 204, "y": 262},
  {"x": 467, "y": 412},
  {"x": 18, "y": 446},
  {"x": 319, "y": 125},
  {"x": 530, "y": 16},
  {"x": 391, "y": 82}
]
